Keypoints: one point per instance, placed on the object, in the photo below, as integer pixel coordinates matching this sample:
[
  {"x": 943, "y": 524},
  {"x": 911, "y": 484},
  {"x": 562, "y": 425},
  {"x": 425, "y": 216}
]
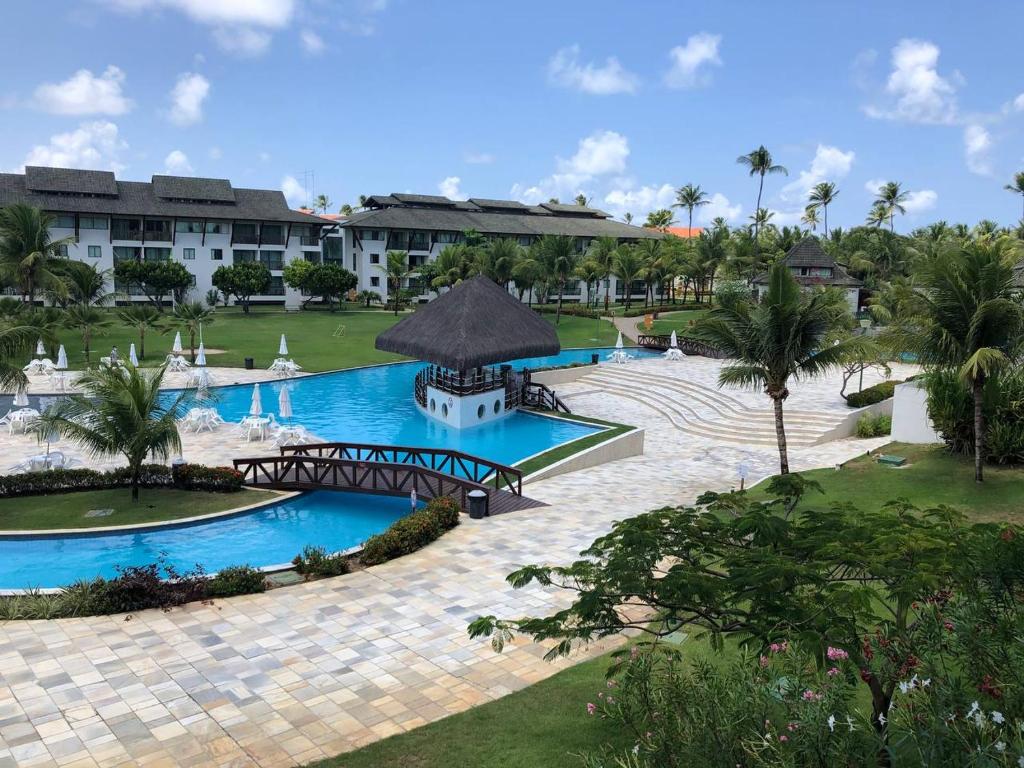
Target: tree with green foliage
[
  {"x": 120, "y": 412},
  {"x": 16, "y": 343},
  {"x": 660, "y": 219},
  {"x": 779, "y": 338},
  {"x": 890, "y": 199},
  {"x": 395, "y": 269},
  {"x": 322, "y": 203},
  {"x": 88, "y": 321},
  {"x": 368, "y": 297},
  {"x": 628, "y": 267},
  {"x": 85, "y": 284},
  {"x": 527, "y": 273},
  {"x": 559, "y": 256},
  {"x": 243, "y": 281},
  {"x": 192, "y": 314},
  {"x": 330, "y": 282},
  {"x": 822, "y": 195},
  {"x": 156, "y": 279},
  {"x": 810, "y": 218},
  {"x": 759, "y": 162},
  {"x": 296, "y": 273},
  {"x": 141, "y": 318},
  {"x": 498, "y": 259},
  {"x": 689, "y": 197},
  {"x": 602, "y": 252},
  {"x": 30, "y": 260},
  {"x": 1017, "y": 187}
]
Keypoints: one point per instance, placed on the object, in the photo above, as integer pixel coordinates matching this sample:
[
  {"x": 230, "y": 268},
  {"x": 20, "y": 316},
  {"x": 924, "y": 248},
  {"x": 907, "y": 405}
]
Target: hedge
[
  {"x": 573, "y": 310},
  {"x": 412, "y": 532},
  {"x": 875, "y": 394},
  {"x": 641, "y": 311},
  {"x": 189, "y": 477}
]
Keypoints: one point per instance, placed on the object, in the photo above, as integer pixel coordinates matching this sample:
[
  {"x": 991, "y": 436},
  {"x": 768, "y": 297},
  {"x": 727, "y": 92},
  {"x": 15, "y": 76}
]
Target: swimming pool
[{"x": 269, "y": 535}]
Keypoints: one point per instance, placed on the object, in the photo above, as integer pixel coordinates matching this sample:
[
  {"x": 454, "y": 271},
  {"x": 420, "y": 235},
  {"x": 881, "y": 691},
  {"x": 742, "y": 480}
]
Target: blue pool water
[{"x": 269, "y": 535}]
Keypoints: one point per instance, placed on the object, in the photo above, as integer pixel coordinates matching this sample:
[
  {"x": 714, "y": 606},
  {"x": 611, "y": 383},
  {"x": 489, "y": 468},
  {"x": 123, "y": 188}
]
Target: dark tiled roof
[
  {"x": 381, "y": 200},
  {"x": 574, "y": 210},
  {"x": 188, "y": 188},
  {"x": 137, "y": 198},
  {"x": 69, "y": 180},
  {"x": 503, "y": 205},
  {"x": 422, "y": 199},
  {"x": 808, "y": 253}
]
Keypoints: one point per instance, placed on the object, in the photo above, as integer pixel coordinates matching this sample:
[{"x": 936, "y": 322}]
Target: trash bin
[
  {"x": 249, "y": 364},
  {"x": 177, "y": 465},
  {"x": 594, "y": 359},
  {"x": 477, "y": 504}
]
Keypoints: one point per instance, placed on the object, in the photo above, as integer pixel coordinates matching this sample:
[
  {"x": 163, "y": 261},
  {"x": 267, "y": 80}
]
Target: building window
[
  {"x": 447, "y": 237},
  {"x": 92, "y": 222},
  {"x": 64, "y": 220},
  {"x": 525, "y": 240},
  {"x": 157, "y": 254},
  {"x": 158, "y": 229},
  {"x": 126, "y": 253},
  {"x": 371, "y": 234},
  {"x": 375, "y": 282},
  {"x": 272, "y": 234},
  {"x": 215, "y": 228},
  {"x": 276, "y": 287},
  {"x": 95, "y": 251},
  {"x": 311, "y": 256},
  {"x": 245, "y": 233},
  {"x": 241, "y": 256},
  {"x": 62, "y": 251},
  {"x": 189, "y": 227},
  {"x": 217, "y": 254},
  {"x": 188, "y": 254},
  {"x": 273, "y": 259},
  {"x": 126, "y": 229},
  {"x": 375, "y": 258},
  {"x": 332, "y": 250}
]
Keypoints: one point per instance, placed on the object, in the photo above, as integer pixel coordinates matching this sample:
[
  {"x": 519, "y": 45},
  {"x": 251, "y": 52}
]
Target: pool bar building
[{"x": 463, "y": 335}]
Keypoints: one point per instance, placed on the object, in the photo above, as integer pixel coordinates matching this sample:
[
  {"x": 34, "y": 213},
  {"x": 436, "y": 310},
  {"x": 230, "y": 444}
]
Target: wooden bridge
[
  {"x": 688, "y": 346},
  {"x": 391, "y": 470}
]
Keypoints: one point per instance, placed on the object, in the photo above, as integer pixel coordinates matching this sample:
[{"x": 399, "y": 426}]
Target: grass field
[
  {"x": 563, "y": 451},
  {"x": 930, "y": 478},
  {"x": 676, "y": 321},
  {"x": 317, "y": 340},
  {"x": 67, "y": 510}
]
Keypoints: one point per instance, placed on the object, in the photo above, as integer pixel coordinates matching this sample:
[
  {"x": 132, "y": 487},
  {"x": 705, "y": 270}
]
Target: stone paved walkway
[{"x": 313, "y": 670}]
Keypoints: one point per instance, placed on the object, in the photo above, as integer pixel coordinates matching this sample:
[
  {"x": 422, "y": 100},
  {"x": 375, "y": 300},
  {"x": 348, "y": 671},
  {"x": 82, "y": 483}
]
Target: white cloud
[
  {"x": 601, "y": 152},
  {"x": 187, "y": 99},
  {"x": 1018, "y": 103},
  {"x": 244, "y": 41},
  {"x": 294, "y": 192},
  {"x": 719, "y": 207},
  {"x": 920, "y": 201},
  {"x": 920, "y": 94},
  {"x": 478, "y": 158},
  {"x": 874, "y": 185},
  {"x": 263, "y": 13},
  {"x": 85, "y": 94},
  {"x": 639, "y": 200},
  {"x": 829, "y": 164},
  {"x": 96, "y": 146},
  {"x": 312, "y": 43},
  {"x": 177, "y": 164},
  {"x": 977, "y": 143},
  {"x": 566, "y": 71},
  {"x": 688, "y": 68},
  {"x": 215, "y": 153},
  {"x": 449, "y": 187}
]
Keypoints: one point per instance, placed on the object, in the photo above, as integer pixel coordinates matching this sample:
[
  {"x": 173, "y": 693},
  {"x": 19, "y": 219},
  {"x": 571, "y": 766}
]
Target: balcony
[
  {"x": 272, "y": 238},
  {"x": 307, "y": 241},
  {"x": 419, "y": 244},
  {"x": 121, "y": 231}
]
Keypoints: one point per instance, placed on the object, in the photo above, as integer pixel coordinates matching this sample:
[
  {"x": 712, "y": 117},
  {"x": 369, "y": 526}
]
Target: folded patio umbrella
[
  {"x": 618, "y": 341},
  {"x": 133, "y": 358},
  {"x": 62, "y": 358},
  {"x": 674, "y": 342},
  {"x": 256, "y": 407},
  {"x": 201, "y": 354},
  {"x": 40, "y": 348},
  {"x": 282, "y": 348},
  {"x": 21, "y": 398},
  {"x": 176, "y": 349},
  {"x": 284, "y": 404}
]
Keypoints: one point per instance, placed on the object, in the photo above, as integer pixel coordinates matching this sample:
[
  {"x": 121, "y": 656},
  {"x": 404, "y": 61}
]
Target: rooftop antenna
[{"x": 308, "y": 184}]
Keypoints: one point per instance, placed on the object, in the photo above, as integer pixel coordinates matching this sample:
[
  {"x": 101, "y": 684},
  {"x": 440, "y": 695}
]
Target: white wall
[
  {"x": 910, "y": 421},
  {"x": 466, "y": 411}
]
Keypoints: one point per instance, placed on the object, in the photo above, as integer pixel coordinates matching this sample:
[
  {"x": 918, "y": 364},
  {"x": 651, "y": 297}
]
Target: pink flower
[
  {"x": 792, "y": 727},
  {"x": 783, "y": 737},
  {"x": 775, "y": 647},
  {"x": 836, "y": 654},
  {"x": 779, "y": 647},
  {"x": 591, "y": 709},
  {"x": 833, "y": 672},
  {"x": 763, "y": 661},
  {"x": 810, "y": 695}
]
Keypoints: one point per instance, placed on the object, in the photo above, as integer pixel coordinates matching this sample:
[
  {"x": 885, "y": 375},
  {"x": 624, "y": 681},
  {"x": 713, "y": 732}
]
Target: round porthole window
[
  {"x": 497, "y": 407},
  {"x": 480, "y": 411},
  {"x": 444, "y": 410},
  {"x": 433, "y": 405}
]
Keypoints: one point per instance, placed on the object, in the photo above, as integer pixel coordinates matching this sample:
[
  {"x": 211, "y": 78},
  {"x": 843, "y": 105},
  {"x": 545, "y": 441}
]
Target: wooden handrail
[{"x": 687, "y": 345}]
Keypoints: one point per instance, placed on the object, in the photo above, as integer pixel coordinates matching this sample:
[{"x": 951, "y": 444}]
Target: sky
[{"x": 530, "y": 100}]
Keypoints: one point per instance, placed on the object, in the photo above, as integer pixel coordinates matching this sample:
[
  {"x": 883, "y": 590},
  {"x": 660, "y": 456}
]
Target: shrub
[
  {"x": 191, "y": 477},
  {"x": 197, "y": 477},
  {"x": 951, "y": 409},
  {"x": 236, "y": 580},
  {"x": 137, "y": 587},
  {"x": 316, "y": 561},
  {"x": 412, "y": 532},
  {"x": 573, "y": 310},
  {"x": 875, "y": 394},
  {"x": 874, "y": 425}
]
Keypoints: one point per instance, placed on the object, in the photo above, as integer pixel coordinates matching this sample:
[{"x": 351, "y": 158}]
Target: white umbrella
[
  {"x": 201, "y": 354},
  {"x": 40, "y": 348},
  {"x": 256, "y": 407},
  {"x": 674, "y": 342},
  {"x": 176, "y": 349},
  {"x": 21, "y": 398},
  {"x": 201, "y": 376},
  {"x": 282, "y": 348},
  {"x": 133, "y": 358},
  {"x": 618, "y": 341},
  {"x": 284, "y": 404},
  {"x": 62, "y": 358}
]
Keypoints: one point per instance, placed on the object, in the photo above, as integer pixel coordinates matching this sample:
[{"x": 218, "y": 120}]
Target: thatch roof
[{"x": 474, "y": 324}]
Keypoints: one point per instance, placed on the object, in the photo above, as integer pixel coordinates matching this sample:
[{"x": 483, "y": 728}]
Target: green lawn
[
  {"x": 931, "y": 477},
  {"x": 543, "y": 725},
  {"x": 675, "y": 321},
  {"x": 563, "y": 451},
  {"x": 317, "y": 340},
  {"x": 67, "y": 510}
]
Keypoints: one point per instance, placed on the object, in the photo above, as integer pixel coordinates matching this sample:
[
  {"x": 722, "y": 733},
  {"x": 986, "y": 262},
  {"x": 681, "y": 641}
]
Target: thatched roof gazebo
[{"x": 475, "y": 324}]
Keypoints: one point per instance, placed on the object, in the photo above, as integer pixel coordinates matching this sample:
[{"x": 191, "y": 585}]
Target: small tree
[
  {"x": 331, "y": 282},
  {"x": 142, "y": 317},
  {"x": 368, "y": 297},
  {"x": 396, "y": 269},
  {"x": 559, "y": 256},
  {"x": 88, "y": 320},
  {"x": 243, "y": 281},
  {"x": 156, "y": 279},
  {"x": 193, "y": 314}
]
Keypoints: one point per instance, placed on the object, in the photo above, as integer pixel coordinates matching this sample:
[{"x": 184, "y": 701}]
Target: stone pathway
[{"x": 309, "y": 671}]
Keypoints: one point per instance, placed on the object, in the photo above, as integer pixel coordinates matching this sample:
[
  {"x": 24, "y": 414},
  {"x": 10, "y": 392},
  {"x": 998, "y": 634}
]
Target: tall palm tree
[
  {"x": 120, "y": 413},
  {"x": 560, "y": 257},
  {"x": 29, "y": 258},
  {"x": 775, "y": 340},
  {"x": 759, "y": 163},
  {"x": 322, "y": 203},
  {"x": 345, "y": 210},
  {"x": 660, "y": 219},
  {"x": 192, "y": 314},
  {"x": 142, "y": 317},
  {"x": 628, "y": 217},
  {"x": 627, "y": 269},
  {"x": 526, "y": 274},
  {"x": 649, "y": 252},
  {"x": 88, "y": 320},
  {"x": 761, "y": 218},
  {"x": 877, "y": 215},
  {"x": 1017, "y": 187},
  {"x": 16, "y": 344},
  {"x": 589, "y": 271},
  {"x": 967, "y": 318},
  {"x": 396, "y": 269},
  {"x": 602, "y": 251},
  {"x": 497, "y": 259},
  {"x": 85, "y": 284},
  {"x": 891, "y": 196},
  {"x": 581, "y": 199},
  {"x": 810, "y": 218},
  {"x": 689, "y": 197},
  {"x": 823, "y": 194},
  {"x": 453, "y": 264}
]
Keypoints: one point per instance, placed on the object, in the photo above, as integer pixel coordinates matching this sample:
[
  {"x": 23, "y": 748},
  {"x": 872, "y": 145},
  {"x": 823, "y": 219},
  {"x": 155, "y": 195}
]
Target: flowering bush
[
  {"x": 192, "y": 477},
  {"x": 412, "y": 532}
]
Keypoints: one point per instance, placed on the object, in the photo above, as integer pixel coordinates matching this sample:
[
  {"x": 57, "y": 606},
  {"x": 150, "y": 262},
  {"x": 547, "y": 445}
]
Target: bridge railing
[
  {"x": 442, "y": 460},
  {"x": 687, "y": 345}
]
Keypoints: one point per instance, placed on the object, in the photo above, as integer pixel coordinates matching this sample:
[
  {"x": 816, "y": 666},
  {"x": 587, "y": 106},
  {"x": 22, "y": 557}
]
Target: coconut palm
[
  {"x": 527, "y": 272},
  {"x": 628, "y": 217},
  {"x": 345, "y": 210},
  {"x": 142, "y": 317},
  {"x": 810, "y": 218},
  {"x": 121, "y": 412},
  {"x": 323, "y": 202},
  {"x": 559, "y": 256},
  {"x": 627, "y": 268},
  {"x": 689, "y": 197},
  {"x": 649, "y": 252},
  {"x": 29, "y": 259},
  {"x": 589, "y": 271},
  {"x": 581, "y": 199},
  {"x": 497, "y": 259},
  {"x": 16, "y": 343},
  {"x": 192, "y": 314},
  {"x": 759, "y": 163},
  {"x": 1017, "y": 187},
  {"x": 85, "y": 284},
  {"x": 877, "y": 215},
  {"x": 761, "y": 218},
  {"x": 602, "y": 251},
  {"x": 367, "y": 297},
  {"x": 823, "y": 194},
  {"x": 967, "y": 319},
  {"x": 88, "y": 320},
  {"x": 661, "y": 219},
  {"x": 396, "y": 269},
  {"x": 775, "y": 340},
  {"x": 892, "y": 196}
]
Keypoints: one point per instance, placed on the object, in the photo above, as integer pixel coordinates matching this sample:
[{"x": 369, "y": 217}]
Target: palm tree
[
  {"x": 1018, "y": 185},
  {"x": 498, "y": 259},
  {"x": 967, "y": 319},
  {"x": 85, "y": 284},
  {"x": 396, "y": 269},
  {"x": 368, "y": 297},
  {"x": 661, "y": 219},
  {"x": 559, "y": 256},
  {"x": 142, "y": 317},
  {"x": 822, "y": 196},
  {"x": 322, "y": 203},
  {"x": 775, "y": 340},
  {"x": 891, "y": 197},
  {"x": 345, "y": 210},
  {"x": 877, "y": 215},
  {"x": 810, "y": 218},
  {"x": 526, "y": 274},
  {"x": 690, "y": 197},
  {"x": 88, "y": 320},
  {"x": 759, "y": 163},
  {"x": 29, "y": 259},
  {"x": 602, "y": 251},
  {"x": 192, "y": 314},
  {"x": 16, "y": 344},
  {"x": 453, "y": 265},
  {"x": 760, "y": 219},
  {"x": 649, "y": 253},
  {"x": 627, "y": 268},
  {"x": 628, "y": 217},
  {"x": 581, "y": 199},
  {"x": 589, "y": 271},
  {"x": 121, "y": 412}
]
